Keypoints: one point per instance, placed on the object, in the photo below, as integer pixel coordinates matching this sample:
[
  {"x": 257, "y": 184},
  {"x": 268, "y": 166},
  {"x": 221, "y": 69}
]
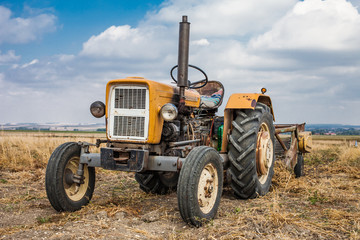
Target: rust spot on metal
[
  {"x": 260, "y": 152},
  {"x": 121, "y": 157},
  {"x": 179, "y": 164}
]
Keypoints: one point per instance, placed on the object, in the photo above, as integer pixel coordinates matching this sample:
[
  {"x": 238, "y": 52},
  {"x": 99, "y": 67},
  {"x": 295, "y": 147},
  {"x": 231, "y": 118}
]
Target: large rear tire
[
  {"x": 251, "y": 152},
  {"x": 200, "y": 185},
  {"x": 62, "y": 192},
  {"x": 157, "y": 183}
]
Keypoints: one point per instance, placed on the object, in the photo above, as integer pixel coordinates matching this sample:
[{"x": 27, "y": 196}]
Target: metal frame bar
[{"x": 150, "y": 163}]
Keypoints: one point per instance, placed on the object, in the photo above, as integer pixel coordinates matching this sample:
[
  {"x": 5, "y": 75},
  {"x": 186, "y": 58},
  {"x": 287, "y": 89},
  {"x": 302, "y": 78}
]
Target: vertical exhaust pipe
[{"x": 183, "y": 57}]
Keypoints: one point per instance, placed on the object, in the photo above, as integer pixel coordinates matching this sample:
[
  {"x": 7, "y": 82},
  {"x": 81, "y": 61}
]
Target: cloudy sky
[{"x": 57, "y": 56}]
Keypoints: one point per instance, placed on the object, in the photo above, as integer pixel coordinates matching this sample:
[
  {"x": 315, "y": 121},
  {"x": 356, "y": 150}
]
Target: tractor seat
[{"x": 211, "y": 95}]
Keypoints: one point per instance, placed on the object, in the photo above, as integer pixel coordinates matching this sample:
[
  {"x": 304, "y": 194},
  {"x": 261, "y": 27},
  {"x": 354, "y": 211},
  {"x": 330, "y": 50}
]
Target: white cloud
[
  {"x": 201, "y": 42},
  {"x": 314, "y": 25},
  {"x": 8, "y": 57},
  {"x": 22, "y": 30},
  {"x": 126, "y": 42},
  {"x": 213, "y": 18},
  {"x": 66, "y": 57},
  {"x": 34, "y": 61},
  {"x": 157, "y": 35}
]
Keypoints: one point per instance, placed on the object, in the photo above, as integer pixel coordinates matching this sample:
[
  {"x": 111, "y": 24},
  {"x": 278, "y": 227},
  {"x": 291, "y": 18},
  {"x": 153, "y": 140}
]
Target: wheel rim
[
  {"x": 264, "y": 153},
  {"x": 208, "y": 188},
  {"x": 74, "y": 191}
]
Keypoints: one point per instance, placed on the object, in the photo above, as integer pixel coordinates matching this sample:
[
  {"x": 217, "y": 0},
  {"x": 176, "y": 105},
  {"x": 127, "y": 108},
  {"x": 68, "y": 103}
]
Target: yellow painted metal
[
  {"x": 228, "y": 117},
  {"x": 248, "y": 101},
  {"x": 241, "y": 101},
  {"x": 305, "y": 142},
  {"x": 159, "y": 95}
]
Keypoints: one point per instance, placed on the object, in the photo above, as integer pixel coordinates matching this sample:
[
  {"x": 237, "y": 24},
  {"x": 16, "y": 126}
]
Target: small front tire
[
  {"x": 200, "y": 185},
  {"x": 62, "y": 192}
]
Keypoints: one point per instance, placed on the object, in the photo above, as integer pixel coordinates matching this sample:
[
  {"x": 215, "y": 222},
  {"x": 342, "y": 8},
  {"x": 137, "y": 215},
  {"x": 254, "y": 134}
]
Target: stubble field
[{"x": 324, "y": 204}]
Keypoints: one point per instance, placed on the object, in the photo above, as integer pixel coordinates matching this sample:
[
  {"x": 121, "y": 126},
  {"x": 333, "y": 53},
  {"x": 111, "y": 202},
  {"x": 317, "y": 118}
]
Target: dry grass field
[{"x": 325, "y": 204}]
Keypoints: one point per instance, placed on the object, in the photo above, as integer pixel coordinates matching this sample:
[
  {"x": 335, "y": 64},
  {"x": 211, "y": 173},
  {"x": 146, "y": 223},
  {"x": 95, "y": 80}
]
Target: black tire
[
  {"x": 157, "y": 183},
  {"x": 246, "y": 182},
  {"x": 299, "y": 167},
  {"x": 200, "y": 177},
  {"x": 63, "y": 195}
]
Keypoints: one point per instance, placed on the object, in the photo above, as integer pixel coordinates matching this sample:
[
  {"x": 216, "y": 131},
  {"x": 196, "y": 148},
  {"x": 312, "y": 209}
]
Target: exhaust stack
[{"x": 183, "y": 57}]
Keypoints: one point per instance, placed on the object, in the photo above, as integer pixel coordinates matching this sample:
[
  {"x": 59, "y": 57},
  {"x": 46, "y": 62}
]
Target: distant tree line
[
  {"x": 37, "y": 129},
  {"x": 337, "y": 131}
]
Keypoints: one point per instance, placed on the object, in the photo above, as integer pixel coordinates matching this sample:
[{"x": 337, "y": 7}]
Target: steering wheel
[{"x": 192, "y": 85}]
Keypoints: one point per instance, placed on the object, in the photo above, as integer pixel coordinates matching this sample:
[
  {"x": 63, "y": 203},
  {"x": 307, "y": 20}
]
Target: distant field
[
  {"x": 324, "y": 204},
  {"x": 65, "y": 134},
  {"x": 103, "y": 134},
  {"x": 337, "y": 140},
  {"x": 337, "y": 137}
]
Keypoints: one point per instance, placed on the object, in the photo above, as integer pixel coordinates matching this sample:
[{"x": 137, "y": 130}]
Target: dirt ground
[{"x": 322, "y": 205}]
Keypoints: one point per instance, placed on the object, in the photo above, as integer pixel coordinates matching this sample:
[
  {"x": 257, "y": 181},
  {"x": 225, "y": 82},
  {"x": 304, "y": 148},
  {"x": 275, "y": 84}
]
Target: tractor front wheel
[
  {"x": 63, "y": 193},
  {"x": 200, "y": 185}
]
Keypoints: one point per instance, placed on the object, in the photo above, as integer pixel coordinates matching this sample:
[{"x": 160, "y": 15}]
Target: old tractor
[{"x": 171, "y": 137}]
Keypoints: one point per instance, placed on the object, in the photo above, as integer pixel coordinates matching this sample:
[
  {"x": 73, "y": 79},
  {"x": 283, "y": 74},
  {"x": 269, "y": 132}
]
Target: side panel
[
  {"x": 248, "y": 101},
  {"x": 241, "y": 101}
]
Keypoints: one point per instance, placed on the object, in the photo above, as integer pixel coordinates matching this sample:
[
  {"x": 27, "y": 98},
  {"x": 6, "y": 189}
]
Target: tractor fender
[
  {"x": 241, "y": 101},
  {"x": 248, "y": 101}
]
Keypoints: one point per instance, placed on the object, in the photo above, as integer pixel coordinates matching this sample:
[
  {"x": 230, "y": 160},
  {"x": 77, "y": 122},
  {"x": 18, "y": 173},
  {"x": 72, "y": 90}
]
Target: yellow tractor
[{"x": 171, "y": 137}]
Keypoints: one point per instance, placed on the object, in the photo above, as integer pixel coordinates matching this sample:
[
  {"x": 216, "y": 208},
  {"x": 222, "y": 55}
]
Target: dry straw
[{"x": 322, "y": 205}]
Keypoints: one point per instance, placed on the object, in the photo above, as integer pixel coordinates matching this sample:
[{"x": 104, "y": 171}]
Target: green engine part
[{"x": 220, "y": 136}]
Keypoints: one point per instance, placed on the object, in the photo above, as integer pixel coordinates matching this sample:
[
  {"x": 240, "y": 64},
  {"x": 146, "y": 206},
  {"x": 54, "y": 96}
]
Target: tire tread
[{"x": 241, "y": 152}]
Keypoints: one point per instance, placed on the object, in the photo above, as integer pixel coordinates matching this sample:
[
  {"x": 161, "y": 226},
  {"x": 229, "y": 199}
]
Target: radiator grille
[
  {"x": 129, "y": 113},
  {"x": 128, "y": 126},
  {"x": 130, "y": 98}
]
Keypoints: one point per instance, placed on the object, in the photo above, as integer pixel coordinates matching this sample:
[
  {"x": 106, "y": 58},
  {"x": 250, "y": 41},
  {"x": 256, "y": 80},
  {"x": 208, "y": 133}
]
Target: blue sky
[
  {"x": 56, "y": 56},
  {"x": 75, "y": 21}
]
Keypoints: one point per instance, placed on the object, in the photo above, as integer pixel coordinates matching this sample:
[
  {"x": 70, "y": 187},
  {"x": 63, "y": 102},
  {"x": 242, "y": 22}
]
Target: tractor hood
[{"x": 140, "y": 100}]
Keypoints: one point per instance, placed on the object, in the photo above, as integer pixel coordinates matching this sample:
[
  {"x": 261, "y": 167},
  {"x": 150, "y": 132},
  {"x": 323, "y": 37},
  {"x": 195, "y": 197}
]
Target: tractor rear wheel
[
  {"x": 63, "y": 193},
  {"x": 157, "y": 182},
  {"x": 251, "y": 152},
  {"x": 200, "y": 185}
]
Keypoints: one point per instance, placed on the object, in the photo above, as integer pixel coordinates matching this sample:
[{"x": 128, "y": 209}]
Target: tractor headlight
[
  {"x": 97, "y": 109},
  {"x": 169, "y": 112}
]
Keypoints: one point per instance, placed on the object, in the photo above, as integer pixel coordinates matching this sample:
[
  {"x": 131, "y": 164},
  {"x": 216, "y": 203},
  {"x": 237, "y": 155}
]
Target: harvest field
[{"x": 324, "y": 204}]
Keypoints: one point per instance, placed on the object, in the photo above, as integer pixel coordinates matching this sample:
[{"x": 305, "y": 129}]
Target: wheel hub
[
  {"x": 207, "y": 188},
  {"x": 264, "y": 153},
  {"x": 69, "y": 177},
  {"x": 73, "y": 190}
]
